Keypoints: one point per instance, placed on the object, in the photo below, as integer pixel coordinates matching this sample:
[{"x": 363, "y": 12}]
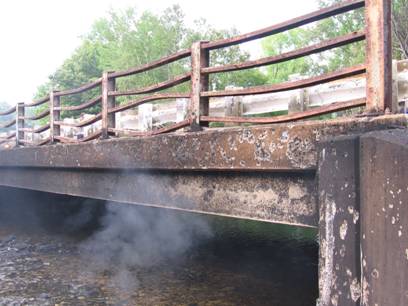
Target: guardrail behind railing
[{"x": 377, "y": 70}]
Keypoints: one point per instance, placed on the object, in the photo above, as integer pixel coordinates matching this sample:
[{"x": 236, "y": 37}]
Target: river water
[{"x": 62, "y": 251}]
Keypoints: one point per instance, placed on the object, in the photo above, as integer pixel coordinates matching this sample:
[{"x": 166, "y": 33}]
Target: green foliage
[
  {"x": 343, "y": 24},
  {"x": 400, "y": 29},
  {"x": 128, "y": 38},
  {"x": 284, "y": 42},
  {"x": 329, "y": 28},
  {"x": 3, "y": 119}
]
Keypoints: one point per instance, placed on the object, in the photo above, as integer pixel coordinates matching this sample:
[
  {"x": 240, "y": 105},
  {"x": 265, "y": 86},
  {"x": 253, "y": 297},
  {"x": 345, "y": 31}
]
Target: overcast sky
[{"x": 37, "y": 35}]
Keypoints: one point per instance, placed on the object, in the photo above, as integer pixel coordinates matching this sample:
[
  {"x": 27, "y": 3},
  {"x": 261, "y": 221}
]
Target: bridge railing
[
  {"x": 377, "y": 69},
  {"x": 8, "y": 124}
]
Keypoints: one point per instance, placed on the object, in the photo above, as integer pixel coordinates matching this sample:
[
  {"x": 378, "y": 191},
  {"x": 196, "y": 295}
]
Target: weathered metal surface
[
  {"x": 140, "y": 101},
  {"x": 280, "y": 147},
  {"x": 13, "y": 134},
  {"x": 82, "y": 106},
  {"x": 38, "y": 143},
  {"x": 155, "y": 64},
  {"x": 93, "y": 136},
  {"x": 38, "y": 102},
  {"x": 8, "y": 124},
  {"x": 55, "y": 129},
  {"x": 291, "y": 117},
  {"x": 262, "y": 89},
  {"x": 9, "y": 111},
  {"x": 264, "y": 197},
  {"x": 41, "y": 115},
  {"x": 108, "y": 119},
  {"x": 379, "y": 55},
  {"x": 339, "y": 222},
  {"x": 333, "y": 10},
  {"x": 36, "y": 130},
  {"x": 167, "y": 129},
  {"x": 199, "y": 75},
  {"x": 82, "y": 123},
  {"x": 180, "y": 79},
  {"x": 199, "y": 104},
  {"x": 384, "y": 203},
  {"x": 78, "y": 90},
  {"x": 20, "y": 122},
  {"x": 313, "y": 49}
]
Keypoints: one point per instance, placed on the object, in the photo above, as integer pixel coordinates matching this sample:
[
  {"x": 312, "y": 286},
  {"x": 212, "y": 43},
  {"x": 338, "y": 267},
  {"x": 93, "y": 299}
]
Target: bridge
[{"x": 345, "y": 176}]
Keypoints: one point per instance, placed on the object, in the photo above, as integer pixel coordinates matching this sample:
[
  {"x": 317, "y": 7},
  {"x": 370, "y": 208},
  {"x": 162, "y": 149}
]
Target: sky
[{"x": 38, "y": 35}]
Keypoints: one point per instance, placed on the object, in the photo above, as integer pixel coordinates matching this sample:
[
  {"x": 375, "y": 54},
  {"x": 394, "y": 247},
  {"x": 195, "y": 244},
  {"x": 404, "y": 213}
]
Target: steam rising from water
[
  {"x": 134, "y": 237},
  {"x": 128, "y": 237}
]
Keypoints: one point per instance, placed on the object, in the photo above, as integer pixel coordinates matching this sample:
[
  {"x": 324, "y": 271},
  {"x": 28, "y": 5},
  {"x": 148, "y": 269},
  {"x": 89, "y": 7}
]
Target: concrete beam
[
  {"x": 280, "y": 147},
  {"x": 277, "y": 198}
]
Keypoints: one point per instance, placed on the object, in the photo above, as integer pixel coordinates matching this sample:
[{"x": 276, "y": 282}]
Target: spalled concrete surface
[
  {"x": 280, "y": 147},
  {"x": 384, "y": 222},
  {"x": 363, "y": 198},
  {"x": 267, "y": 197},
  {"x": 264, "y": 172},
  {"x": 339, "y": 222}
]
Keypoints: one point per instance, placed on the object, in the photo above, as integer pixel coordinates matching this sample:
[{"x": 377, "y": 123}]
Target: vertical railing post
[
  {"x": 55, "y": 115},
  {"x": 108, "y": 102},
  {"x": 379, "y": 56},
  {"x": 199, "y": 106},
  {"x": 20, "y": 113}
]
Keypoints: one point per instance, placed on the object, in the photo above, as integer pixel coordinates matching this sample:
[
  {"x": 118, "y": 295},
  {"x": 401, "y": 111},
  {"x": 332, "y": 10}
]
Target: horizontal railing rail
[
  {"x": 376, "y": 70},
  {"x": 9, "y": 111},
  {"x": 82, "y": 123},
  {"x": 88, "y": 104},
  {"x": 161, "y": 62},
  {"x": 140, "y": 101},
  {"x": 8, "y": 124},
  {"x": 153, "y": 88},
  {"x": 78, "y": 90},
  {"x": 38, "y": 116},
  {"x": 38, "y": 102},
  {"x": 316, "y": 48},
  {"x": 324, "y": 13},
  {"x": 263, "y": 89}
]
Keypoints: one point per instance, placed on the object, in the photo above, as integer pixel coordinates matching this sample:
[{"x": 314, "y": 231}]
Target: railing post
[
  {"x": 55, "y": 130},
  {"x": 145, "y": 117},
  {"x": 20, "y": 113},
  {"x": 233, "y": 106},
  {"x": 379, "y": 56},
  {"x": 199, "y": 106},
  {"x": 108, "y": 120}
]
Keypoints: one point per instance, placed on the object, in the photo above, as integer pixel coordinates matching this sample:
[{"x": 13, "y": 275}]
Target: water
[{"x": 84, "y": 257}]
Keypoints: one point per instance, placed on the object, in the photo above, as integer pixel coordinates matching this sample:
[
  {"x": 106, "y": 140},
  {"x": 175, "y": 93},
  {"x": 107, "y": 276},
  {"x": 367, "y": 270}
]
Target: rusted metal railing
[{"x": 377, "y": 69}]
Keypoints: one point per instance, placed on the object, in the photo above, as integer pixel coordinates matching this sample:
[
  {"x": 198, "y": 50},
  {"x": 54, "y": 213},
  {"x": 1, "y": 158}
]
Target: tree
[
  {"x": 355, "y": 20},
  {"x": 3, "y": 119},
  {"x": 329, "y": 28},
  {"x": 127, "y": 39},
  {"x": 284, "y": 42},
  {"x": 400, "y": 28}
]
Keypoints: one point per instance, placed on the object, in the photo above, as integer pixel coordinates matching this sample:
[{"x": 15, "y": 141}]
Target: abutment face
[{"x": 363, "y": 204}]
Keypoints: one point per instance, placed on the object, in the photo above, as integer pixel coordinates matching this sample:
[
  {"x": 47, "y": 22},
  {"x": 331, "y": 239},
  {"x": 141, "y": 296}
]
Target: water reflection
[{"x": 43, "y": 262}]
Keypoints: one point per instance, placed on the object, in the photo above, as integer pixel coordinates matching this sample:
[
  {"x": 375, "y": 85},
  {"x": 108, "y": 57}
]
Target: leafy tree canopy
[
  {"x": 330, "y": 28},
  {"x": 127, "y": 39},
  {"x": 3, "y": 119}
]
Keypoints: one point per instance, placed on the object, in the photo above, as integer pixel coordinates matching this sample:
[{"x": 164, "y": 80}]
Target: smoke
[
  {"x": 133, "y": 237},
  {"x": 120, "y": 239}
]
